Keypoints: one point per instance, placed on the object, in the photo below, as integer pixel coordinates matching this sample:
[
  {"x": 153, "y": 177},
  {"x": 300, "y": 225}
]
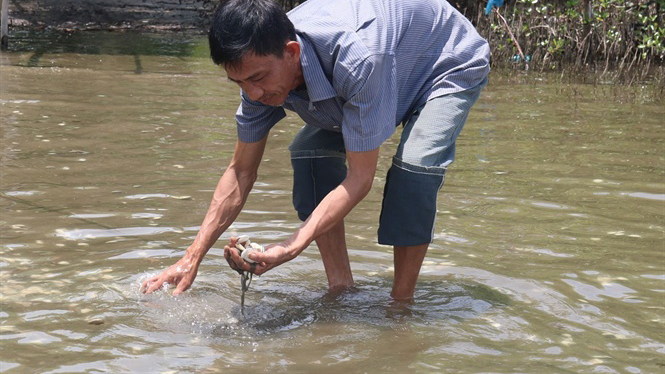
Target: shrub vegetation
[{"x": 618, "y": 37}]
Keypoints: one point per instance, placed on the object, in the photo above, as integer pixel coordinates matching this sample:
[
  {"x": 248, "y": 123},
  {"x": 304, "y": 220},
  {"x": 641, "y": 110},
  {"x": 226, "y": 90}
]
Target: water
[{"x": 548, "y": 255}]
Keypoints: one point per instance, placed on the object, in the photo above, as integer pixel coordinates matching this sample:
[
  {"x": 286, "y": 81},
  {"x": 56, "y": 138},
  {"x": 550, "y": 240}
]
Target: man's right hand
[
  {"x": 230, "y": 195},
  {"x": 181, "y": 274}
]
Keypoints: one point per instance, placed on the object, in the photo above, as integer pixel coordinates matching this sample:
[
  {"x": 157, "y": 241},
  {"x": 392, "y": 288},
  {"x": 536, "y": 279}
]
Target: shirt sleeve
[
  {"x": 254, "y": 120},
  {"x": 370, "y": 110}
]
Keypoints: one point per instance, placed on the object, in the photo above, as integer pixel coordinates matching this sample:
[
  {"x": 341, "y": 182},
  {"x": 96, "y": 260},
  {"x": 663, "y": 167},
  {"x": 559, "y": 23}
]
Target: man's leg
[
  {"x": 408, "y": 260},
  {"x": 407, "y": 220},
  {"x": 332, "y": 246},
  {"x": 426, "y": 149},
  {"x": 318, "y": 160}
]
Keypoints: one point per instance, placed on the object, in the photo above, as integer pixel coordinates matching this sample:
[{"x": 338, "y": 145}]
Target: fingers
[
  {"x": 237, "y": 263},
  {"x": 144, "y": 285},
  {"x": 262, "y": 268},
  {"x": 182, "y": 287},
  {"x": 275, "y": 254},
  {"x": 231, "y": 255},
  {"x": 152, "y": 285},
  {"x": 157, "y": 282},
  {"x": 268, "y": 257}
]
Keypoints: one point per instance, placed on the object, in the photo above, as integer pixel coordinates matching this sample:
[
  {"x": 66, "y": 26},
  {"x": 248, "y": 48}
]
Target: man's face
[{"x": 268, "y": 79}]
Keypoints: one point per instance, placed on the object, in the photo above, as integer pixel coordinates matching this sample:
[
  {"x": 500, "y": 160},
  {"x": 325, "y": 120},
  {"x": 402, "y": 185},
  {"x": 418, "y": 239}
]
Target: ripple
[
  {"x": 549, "y": 205},
  {"x": 144, "y": 253},
  {"x": 6, "y": 366},
  {"x": 451, "y": 238},
  {"x": 32, "y": 337},
  {"x": 270, "y": 308},
  {"x": 42, "y": 314},
  {"x": 654, "y": 276},
  {"x": 646, "y": 195},
  {"x": 544, "y": 251},
  {"x": 613, "y": 290},
  {"x": 92, "y": 215},
  {"x": 78, "y": 234},
  {"x": 147, "y": 215},
  {"x": 22, "y": 193},
  {"x": 4, "y": 101},
  {"x": 469, "y": 349},
  {"x": 147, "y": 196}
]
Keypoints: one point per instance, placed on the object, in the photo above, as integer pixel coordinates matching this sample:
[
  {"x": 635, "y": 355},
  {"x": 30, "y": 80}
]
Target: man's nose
[{"x": 253, "y": 91}]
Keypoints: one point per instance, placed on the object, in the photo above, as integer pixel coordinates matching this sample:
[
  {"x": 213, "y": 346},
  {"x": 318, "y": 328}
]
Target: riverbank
[
  {"x": 599, "y": 42},
  {"x": 86, "y": 15}
]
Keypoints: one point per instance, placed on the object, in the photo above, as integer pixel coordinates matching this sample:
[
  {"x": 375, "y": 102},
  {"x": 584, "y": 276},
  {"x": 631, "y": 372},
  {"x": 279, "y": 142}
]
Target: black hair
[{"x": 241, "y": 26}]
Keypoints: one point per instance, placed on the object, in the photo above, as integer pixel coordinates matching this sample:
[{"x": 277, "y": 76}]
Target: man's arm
[
  {"x": 332, "y": 209},
  {"x": 229, "y": 197}
]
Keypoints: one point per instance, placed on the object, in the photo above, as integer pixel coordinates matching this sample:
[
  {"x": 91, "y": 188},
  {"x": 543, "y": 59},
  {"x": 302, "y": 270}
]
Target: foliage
[{"x": 612, "y": 34}]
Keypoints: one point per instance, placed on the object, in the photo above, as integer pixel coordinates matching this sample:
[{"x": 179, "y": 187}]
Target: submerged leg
[
  {"x": 332, "y": 246},
  {"x": 318, "y": 160},
  {"x": 426, "y": 149},
  {"x": 408, "y": 260}
]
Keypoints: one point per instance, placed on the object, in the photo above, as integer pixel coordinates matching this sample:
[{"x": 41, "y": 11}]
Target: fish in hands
[{"x": 254, "y": 261}]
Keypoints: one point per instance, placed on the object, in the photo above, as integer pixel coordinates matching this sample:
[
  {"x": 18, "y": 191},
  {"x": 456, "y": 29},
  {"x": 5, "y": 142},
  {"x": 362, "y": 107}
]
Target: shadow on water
[
  {"x": 130, "y": 43},
  {"x": 214, "y": 312}
]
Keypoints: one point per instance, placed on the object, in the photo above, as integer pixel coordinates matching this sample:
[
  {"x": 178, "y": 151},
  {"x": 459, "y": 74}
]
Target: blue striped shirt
[{"x": 368, "y": 64}]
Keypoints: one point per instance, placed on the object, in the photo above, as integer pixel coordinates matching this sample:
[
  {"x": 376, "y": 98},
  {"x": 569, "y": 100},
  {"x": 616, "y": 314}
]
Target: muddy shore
[{"x": 73, "y": 15}]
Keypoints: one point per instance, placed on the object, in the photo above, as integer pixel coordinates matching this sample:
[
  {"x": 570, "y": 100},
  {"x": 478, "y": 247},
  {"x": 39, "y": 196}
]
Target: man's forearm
[
  {"x": 227, "y": 202},
  {"x": 229, "y": 197},
  {"x": 340, "y": 201},
  {"x": 332, "y": 209}
]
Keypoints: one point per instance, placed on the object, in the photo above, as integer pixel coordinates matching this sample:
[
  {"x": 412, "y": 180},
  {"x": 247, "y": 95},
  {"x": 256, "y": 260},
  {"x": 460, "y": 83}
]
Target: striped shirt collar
[{"x": 318, "y": 86}]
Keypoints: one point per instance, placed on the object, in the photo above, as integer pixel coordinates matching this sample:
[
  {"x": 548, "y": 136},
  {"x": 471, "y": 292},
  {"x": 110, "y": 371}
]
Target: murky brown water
[{"x": 548, "y": 257}]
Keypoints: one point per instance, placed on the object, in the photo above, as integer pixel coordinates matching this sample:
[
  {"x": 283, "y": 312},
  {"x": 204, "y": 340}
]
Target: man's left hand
[{"x": 274, "y": 255}]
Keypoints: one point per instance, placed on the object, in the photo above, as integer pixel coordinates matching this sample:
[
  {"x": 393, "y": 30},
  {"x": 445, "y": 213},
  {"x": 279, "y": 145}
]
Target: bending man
[{"x": 353, "y": 70}]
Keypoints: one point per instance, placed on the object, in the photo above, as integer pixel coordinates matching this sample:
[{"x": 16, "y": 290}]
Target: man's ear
[{"x": 292, "y": 49}]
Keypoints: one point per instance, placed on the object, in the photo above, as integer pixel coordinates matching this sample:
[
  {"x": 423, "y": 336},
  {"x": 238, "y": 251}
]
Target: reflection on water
[{"x": 548, "y": 253}]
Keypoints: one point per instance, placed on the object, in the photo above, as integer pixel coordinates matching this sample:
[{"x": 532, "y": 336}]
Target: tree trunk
[{"x": 4, "y": 29}]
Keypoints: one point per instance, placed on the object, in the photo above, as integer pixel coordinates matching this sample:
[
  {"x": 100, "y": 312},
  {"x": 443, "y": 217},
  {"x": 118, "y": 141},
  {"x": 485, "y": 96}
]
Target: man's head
[
  {"x": 256, "y": 43},
  {"x": 241, "y": 26}
]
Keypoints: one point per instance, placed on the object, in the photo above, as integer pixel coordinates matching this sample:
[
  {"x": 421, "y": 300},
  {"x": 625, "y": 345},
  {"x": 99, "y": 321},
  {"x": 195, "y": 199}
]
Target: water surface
[{"x": 548, "y": 255}]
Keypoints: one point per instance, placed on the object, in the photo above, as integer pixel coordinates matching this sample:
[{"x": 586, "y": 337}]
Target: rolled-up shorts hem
[
  {"x": 426, "y": 149},
  {"x": 409, "y": 204}
]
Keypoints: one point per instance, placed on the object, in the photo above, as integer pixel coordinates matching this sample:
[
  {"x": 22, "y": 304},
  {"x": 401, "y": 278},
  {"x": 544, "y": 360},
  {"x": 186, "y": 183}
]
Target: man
[{"x": 353, "y": 70}]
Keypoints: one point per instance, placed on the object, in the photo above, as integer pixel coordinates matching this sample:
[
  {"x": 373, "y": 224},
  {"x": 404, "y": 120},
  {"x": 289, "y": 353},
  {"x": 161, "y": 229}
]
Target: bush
[{"x": 611, "y": 34}]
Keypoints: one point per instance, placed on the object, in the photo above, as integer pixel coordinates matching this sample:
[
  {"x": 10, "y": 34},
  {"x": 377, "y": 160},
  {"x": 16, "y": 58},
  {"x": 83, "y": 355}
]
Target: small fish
[
  {"x": 245, "y": 281},
  {"x": 244, "y": 247}
]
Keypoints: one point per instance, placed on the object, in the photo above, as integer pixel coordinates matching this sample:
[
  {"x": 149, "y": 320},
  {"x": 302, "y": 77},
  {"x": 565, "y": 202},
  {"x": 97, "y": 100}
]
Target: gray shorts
[{"x": 426, "y": 149}]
